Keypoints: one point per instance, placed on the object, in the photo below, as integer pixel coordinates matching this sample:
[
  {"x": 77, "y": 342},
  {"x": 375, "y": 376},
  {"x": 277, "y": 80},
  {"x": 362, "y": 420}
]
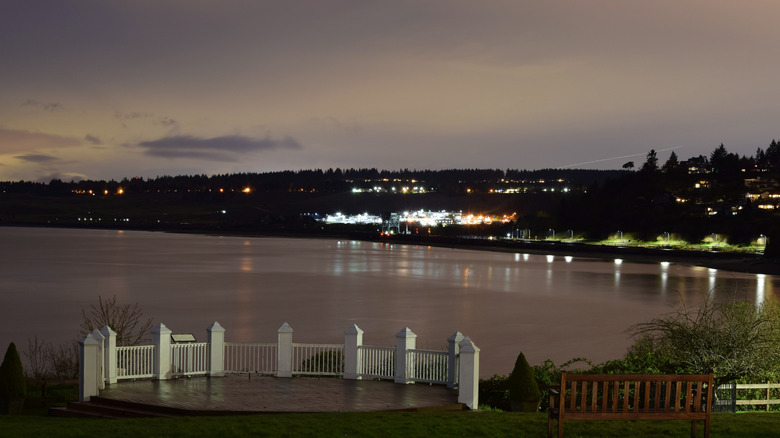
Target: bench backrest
[{"x": 636, "y": 393}]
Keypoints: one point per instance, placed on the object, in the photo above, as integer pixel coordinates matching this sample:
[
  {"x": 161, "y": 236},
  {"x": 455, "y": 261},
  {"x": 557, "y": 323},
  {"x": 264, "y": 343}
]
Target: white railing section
[
  {"x": 102, "y": 363},
  {"x": 428, "y": 366},
  {"x": 318, "y": 359},
  {"x": 135, "y": 362},
  {"x": 189, "y": 359},
  {"x": 376, "y": 362},
  {"x": 250, "y": 358}
]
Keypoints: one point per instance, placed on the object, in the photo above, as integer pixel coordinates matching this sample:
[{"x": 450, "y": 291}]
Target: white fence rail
[
  {"x": 190, "y": 359},
  {"x": 250, "y": 358},
  {"x": 135, "y": 362},
  {"x": 376, "y": 362},
  {"x": 428, "y": 366},
  {"x": 318, "y": 359}
]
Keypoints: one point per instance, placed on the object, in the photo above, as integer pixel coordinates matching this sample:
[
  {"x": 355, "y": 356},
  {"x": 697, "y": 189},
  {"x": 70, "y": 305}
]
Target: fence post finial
[{"x": 353, "y": 340}]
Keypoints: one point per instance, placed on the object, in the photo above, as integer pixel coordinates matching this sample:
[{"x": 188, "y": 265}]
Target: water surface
[{"x": 545, "y": 306}]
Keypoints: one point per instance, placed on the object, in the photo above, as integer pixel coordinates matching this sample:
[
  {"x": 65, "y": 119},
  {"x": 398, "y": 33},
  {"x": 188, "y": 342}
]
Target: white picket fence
[
  {"x": 377, "y": 362},
  {"x": 135, "y": 362},
  {"x": 190, "y": 359},
  {"x": 427, "y": 366},
  {"x": 318, "y": 359},
  {"x": 250, "y": 358},
  {"x": 102, "y": 362}
]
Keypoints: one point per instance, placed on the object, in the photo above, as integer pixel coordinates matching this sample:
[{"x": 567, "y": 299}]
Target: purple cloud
[
  {"x": 93, "y": 139},
  {"x": 36, "y": 158},
  {"x": 50, "y": 107},
  {"x": 217, "y": 148}
]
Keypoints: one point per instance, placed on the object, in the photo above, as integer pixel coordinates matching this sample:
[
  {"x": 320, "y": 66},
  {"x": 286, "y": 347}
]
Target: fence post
[
  {"x": 284, "y": 351},
  {"x": 404, "y": 340},
  {"x": 468, "y": 386},
  {"x": 109, "y": 351},
  {"x": 216, "y": 337},
  {"x": 453, "y": 349},
  {"x": 88, "y": 367},
  {"x": 353, "y": 339},
  {"x": 161, "y": 339},
  {"x": 101, "y": 354}
]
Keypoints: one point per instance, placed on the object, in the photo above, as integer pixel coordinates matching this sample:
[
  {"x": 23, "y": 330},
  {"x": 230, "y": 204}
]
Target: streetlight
[{"x": 553, "y": 233}]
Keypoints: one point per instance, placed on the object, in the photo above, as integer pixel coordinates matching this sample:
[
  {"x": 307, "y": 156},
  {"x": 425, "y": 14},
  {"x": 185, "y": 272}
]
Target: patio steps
[{"x": 99, "y": 407}]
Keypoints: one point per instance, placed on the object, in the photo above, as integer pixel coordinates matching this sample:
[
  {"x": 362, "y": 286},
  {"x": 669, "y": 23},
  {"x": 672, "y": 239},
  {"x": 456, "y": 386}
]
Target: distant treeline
[
  {"x": 735, "y": 197},
  {"x": 330, "y": 180}
]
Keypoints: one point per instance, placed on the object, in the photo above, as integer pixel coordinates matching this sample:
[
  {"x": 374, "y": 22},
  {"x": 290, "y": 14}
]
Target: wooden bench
[{"x": 632, "y": 397}]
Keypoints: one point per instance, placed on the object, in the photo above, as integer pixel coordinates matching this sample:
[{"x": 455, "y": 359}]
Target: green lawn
[{"x": 383, "y": 424}]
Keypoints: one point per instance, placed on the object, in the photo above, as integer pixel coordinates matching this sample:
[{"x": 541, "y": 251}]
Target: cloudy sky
[{"x": 110, "y": 89}]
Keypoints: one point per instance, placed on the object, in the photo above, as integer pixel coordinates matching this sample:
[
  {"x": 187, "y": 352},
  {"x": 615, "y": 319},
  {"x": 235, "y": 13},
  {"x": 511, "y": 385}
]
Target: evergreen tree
[
  {"x": 651, "y": 165},
  {"x": 672, "y": 163}
]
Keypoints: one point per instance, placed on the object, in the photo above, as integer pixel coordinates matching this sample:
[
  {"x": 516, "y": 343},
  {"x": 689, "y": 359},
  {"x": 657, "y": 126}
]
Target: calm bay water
[{"x": 553, "y": 307}]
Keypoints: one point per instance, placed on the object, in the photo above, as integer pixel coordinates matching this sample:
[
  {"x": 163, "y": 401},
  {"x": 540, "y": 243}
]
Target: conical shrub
[
  {"x": 13, "y": 383},
  {"x": 523, "y": 388}
]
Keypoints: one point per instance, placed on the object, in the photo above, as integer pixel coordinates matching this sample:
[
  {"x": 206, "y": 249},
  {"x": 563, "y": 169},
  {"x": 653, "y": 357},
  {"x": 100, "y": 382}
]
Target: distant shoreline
[
  {"x": 727, "y": 261},
  {"x": 722, "y": 260}
]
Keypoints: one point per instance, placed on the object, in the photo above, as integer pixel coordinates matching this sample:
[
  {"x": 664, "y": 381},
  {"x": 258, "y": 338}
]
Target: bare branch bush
[
  {"x": 124, "y": 319},
  {"x": 64, "y": 361},
  {"x": 733, "y": 340},
  {"x": 38, "y": 356}
]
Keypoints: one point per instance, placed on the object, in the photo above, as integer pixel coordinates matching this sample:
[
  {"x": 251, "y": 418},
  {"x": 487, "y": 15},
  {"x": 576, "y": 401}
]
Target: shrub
[
  {"x": 13, "y": 383},
  {"x": 494, "y": 392},
  {"x": 522, "y": 384},
  {"x": 732, "y": 340}
]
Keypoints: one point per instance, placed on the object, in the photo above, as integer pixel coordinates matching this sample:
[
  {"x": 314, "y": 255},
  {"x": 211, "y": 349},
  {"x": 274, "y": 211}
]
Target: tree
[
  {"x": 651, "y": 165},
  {"x": 732, "y": 340},
  {"x": 629, "y": 165},
  {"x": 124, "y": 319},
  {"x": 672, "y": 163}
]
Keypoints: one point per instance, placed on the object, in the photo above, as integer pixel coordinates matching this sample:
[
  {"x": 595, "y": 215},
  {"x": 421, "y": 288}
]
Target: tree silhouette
[{"x": 651, "y": 165}]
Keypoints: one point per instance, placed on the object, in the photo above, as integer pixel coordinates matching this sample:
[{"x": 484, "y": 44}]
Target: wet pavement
[{"x": 244, "y": 394}]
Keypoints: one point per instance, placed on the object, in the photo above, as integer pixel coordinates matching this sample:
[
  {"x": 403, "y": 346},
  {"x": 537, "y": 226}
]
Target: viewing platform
[
  {"x": 218, "y": 377},
  {"x": 245, "y": 394}
]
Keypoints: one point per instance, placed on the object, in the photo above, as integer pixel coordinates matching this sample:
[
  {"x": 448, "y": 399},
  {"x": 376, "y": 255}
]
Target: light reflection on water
[{"x": 547, "y": 306}]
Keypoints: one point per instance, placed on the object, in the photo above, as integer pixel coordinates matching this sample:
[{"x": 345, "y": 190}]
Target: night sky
[{"x": 103, "y": 89}]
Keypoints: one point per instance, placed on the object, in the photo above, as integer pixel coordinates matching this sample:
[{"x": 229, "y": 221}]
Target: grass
[
  {"x": 378, "y": 424},
  {"x": 35, "y": 423}
]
